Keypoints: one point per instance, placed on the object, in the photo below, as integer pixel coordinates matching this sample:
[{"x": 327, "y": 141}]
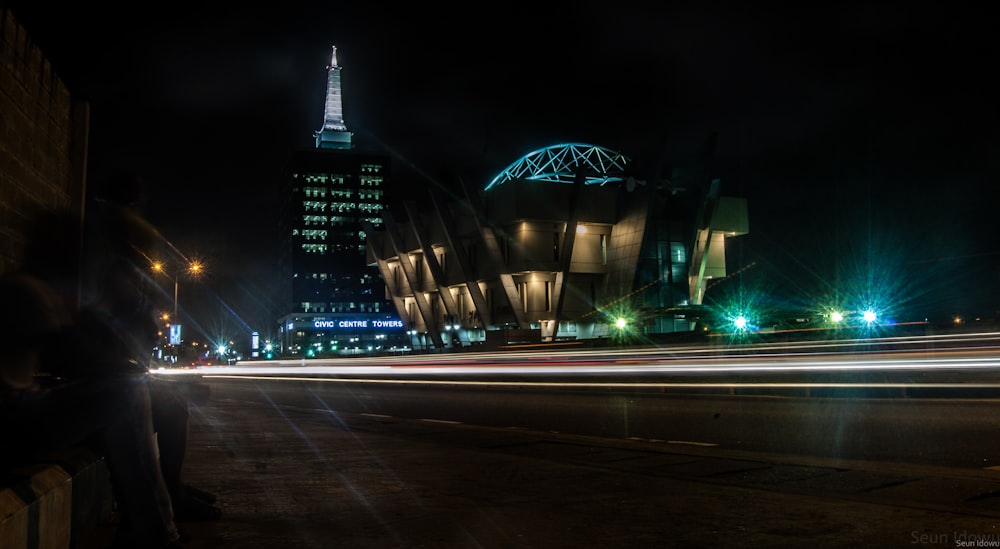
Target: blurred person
[
  {"x": 120, "y": 245},
  {"x": 40, "y": 413}
]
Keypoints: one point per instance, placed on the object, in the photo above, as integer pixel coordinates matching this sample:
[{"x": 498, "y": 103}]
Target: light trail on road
[
  {"x": 745, "y": 365},
  {"x": 541, "y": 355},
  {"x": 615, "y": 385},
  {"x": 950, "y": 355}
]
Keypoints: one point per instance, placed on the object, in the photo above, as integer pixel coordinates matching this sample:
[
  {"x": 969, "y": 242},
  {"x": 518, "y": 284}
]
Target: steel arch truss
[{"x": 559, "y": 163}]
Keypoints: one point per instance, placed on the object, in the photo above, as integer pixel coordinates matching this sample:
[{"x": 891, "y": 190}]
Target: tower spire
[{"x": 334, "y": 134}]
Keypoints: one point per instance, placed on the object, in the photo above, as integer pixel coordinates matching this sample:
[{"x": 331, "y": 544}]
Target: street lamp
[{"x": 194, "y": 268}]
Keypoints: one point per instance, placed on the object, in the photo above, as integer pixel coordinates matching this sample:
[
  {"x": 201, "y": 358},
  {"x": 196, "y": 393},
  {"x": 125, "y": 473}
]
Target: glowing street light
[{"x": 194, "y": 268}]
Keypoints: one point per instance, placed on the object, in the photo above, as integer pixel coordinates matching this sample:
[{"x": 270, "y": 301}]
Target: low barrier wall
[{"x": 56, "y": 503}]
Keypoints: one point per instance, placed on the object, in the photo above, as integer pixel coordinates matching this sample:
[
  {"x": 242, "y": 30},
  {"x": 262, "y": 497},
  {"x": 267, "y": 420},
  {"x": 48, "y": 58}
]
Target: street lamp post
[{"x": 193, "y": 268}]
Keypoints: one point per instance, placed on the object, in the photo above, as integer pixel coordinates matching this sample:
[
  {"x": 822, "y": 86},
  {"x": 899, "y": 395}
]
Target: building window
[
  {"x": 314, "y": 248},
  {"x": 677, "y": 252}
]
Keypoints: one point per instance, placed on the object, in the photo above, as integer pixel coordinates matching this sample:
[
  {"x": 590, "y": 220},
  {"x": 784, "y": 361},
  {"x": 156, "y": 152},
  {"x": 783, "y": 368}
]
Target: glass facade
[
  {"x": 324, "y": 264},
  {"x": 334, "y": 301}
]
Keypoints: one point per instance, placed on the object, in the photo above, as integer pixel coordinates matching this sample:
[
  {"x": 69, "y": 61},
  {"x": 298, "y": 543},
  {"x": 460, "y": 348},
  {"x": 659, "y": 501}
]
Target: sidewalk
[{"x": 297, "y": 479}]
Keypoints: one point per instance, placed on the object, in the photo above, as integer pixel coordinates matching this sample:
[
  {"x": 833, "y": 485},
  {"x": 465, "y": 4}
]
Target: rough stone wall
[{"x": 43, "y": 137}]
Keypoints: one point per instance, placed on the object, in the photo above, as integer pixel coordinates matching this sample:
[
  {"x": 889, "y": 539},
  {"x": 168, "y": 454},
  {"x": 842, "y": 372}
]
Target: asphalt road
[
  {"x": 294, "y": 472},
  {"x": 894, "y": 411},
  {"x": 414, "y": 460}
]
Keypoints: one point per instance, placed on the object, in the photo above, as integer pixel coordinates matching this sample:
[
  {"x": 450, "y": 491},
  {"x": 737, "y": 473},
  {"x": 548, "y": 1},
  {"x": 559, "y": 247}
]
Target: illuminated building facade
[
  {"x": 335, "y": 300},
  {"x": 556, "y": 247}
]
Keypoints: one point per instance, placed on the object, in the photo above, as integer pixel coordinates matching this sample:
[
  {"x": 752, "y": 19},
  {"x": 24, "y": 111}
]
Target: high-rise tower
[
  {"x": 333, "y": 134},
  {"x": 334, "y": 302}
]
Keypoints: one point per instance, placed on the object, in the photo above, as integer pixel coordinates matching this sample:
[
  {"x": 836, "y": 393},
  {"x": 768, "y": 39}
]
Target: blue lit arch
[{"x": 558, "y": 164}]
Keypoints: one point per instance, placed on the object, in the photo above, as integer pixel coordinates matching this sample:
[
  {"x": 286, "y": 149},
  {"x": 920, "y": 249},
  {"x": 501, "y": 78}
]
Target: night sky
[{"x": 864, "y": 137}]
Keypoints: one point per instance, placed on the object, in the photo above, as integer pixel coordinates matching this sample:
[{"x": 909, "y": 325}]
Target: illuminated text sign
[{"x": 350, "y": 324}]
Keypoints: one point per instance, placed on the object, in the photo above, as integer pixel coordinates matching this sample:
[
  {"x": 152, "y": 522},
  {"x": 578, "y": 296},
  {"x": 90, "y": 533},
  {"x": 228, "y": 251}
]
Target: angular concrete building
[{"x": 568, "y": 243}]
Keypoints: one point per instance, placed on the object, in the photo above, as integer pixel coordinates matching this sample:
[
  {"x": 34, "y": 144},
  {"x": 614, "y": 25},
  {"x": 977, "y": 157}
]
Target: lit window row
[
  {"x": 324, "y": 179},
  {"x": 308, "y": 220},
  {"x": 314, "y": 234},
  {"x": 314, "y": 248}
]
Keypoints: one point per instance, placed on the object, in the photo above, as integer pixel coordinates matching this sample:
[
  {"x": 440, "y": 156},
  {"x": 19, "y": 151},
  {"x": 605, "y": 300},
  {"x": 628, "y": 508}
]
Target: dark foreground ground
[{"x": 290, "y": 478}]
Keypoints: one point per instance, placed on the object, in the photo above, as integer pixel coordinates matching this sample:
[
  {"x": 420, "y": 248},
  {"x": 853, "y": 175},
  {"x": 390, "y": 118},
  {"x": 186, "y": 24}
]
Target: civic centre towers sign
[{"x": 354, "y": 324}]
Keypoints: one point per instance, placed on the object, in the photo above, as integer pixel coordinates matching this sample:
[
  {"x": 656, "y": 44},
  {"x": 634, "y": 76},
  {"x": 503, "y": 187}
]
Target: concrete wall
[
  {"x": 63, "y": 502},
  {"x": 43, "y": 138},
  {"x": 43, "y": 148}
]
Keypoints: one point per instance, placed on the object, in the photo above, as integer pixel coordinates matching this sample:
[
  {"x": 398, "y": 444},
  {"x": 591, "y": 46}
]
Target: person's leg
[
  {"x": 170, "y": 421},
  {"x": 171, "y": 413},
  {"x": 130, "y": 445}
]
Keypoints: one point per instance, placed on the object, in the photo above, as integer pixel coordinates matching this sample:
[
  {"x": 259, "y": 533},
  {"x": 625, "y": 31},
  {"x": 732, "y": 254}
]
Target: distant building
[
  {"x": 559, "y": 246},
  {"x": 335, "y": 301}
]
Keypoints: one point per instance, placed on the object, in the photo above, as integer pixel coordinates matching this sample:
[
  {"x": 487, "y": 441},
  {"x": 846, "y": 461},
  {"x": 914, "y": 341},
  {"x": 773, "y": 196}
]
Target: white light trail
[
  {"x": 751, "y": 359},
  {"x": 616, "y": 385}
]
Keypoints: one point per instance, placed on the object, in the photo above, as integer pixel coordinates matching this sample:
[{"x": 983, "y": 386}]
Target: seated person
[{"x": 40, "y": 414}]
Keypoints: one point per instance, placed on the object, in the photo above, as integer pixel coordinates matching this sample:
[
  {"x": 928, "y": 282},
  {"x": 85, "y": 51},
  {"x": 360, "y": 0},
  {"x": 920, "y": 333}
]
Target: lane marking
[
  {"x": 691, "y": 443},
  {"x": 449, "y": 422}
]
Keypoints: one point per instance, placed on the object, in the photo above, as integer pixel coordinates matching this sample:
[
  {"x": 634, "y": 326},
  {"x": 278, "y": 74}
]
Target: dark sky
[{"x": 863, "y": 136}]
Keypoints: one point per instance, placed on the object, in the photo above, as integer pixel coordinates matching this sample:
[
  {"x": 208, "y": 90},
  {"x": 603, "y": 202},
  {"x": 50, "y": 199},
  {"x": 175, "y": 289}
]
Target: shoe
[
  {"x": 121, "y": 542},
  {"x": 200, "y": 494},
  {"x": 192, "y": 509}
]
